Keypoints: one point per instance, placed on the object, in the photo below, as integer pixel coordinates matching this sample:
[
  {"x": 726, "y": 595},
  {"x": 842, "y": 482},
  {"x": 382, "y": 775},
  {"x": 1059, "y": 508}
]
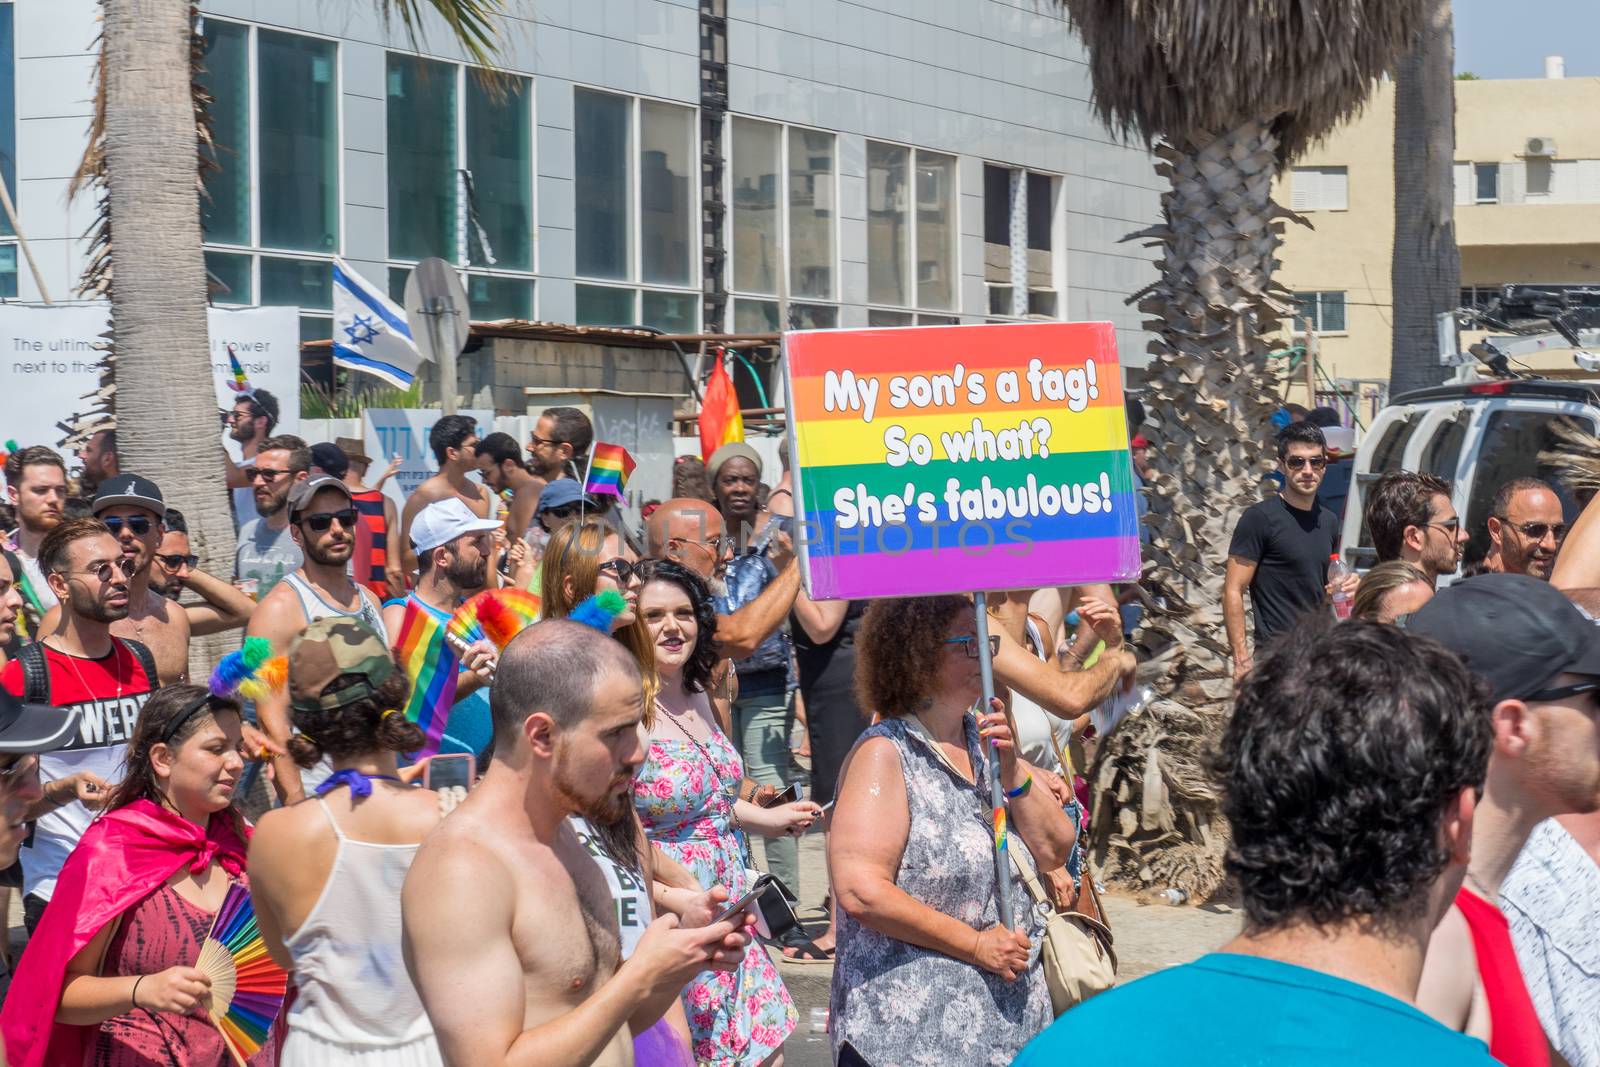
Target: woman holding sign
[{"x": 912, "y": 854}]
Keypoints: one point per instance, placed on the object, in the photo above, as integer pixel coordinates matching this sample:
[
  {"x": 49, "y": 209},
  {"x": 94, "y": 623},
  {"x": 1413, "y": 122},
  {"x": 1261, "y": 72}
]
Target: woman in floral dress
[{"x": 686, "y": 797}]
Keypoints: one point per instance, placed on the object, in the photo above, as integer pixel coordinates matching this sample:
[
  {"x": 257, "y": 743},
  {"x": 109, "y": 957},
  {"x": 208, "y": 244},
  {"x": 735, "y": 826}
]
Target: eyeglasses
[
  {"x": 266, "y": 474},
  {"x": 1562, "y": 692},
  {"x": 972, "y": 646},
  {"x": 139, "y": 524},
  {"x": 320, "y": 521},
  {"x": 102, "y": 570},
  {"x": 562, "y": 511},
  {"x": 719, "y": 546},
  {"x": 177, "y": 562},
  {"x": 1537, "y": 531},
  {"x": 534, "y": 441},
  {"x": 1450, "y": 525},
  {"x": 18, "y": 768},
  {"x": 1316, "y": 463},
  {"x": 621, "y": 570}
]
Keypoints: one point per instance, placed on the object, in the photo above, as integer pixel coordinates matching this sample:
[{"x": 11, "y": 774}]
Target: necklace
[
  {"x": 116, "y": 675},
  {"x": 1481, "y": 889}
]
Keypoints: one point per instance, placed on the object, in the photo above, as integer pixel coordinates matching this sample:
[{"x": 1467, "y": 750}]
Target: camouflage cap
[{"x": 334, "y": 662}]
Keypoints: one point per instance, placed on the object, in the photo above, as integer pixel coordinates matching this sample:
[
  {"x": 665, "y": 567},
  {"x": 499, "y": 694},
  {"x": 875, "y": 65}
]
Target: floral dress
[
  {"x": 736, "y": 1020},
  {"x": 901, "y": 1005}
]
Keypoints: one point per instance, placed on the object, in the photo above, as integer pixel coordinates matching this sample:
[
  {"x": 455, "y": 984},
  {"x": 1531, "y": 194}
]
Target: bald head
[
  {"x": 685, "y": 531},
  {"x": 554, "y": 666}
]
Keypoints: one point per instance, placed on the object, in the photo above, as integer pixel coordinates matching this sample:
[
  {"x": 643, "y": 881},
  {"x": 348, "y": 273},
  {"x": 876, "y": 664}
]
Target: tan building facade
[{"x": 1527, "y": 211}]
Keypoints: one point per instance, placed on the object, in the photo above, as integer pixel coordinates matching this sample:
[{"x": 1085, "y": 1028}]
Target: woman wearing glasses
[
  {"x": 589, "y": 557},
  {"x": 111, "y": 966},
  {"x": 912, "y": 854}
]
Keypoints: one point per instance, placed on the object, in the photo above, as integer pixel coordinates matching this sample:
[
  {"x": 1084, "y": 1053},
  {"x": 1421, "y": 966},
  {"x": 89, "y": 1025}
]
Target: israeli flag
[{"x": 369, "y": 332}]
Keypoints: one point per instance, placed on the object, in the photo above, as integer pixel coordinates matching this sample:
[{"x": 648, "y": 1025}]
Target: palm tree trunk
[
  {"x": 1156, "y": 819},
  {"x": 1425, "y": 276},
  {"x": 167, "y": 426}
]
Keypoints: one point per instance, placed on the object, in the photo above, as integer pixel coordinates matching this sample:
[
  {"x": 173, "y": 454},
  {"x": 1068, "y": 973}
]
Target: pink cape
[{"x": 124, "y": 855}]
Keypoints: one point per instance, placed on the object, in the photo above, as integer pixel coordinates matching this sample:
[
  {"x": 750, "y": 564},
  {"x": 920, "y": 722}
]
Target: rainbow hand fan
[
  {"x": 494, "y": 615},
  {"x": 247, "y": 987}
]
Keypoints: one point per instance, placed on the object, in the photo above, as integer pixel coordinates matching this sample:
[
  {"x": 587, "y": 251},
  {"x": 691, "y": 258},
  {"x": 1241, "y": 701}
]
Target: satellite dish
[{"x": 440, "y": 318}]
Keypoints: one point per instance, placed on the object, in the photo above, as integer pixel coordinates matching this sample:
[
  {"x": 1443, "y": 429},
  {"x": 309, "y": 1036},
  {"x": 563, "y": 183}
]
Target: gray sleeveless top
[{"x": 902, "y": 1004}]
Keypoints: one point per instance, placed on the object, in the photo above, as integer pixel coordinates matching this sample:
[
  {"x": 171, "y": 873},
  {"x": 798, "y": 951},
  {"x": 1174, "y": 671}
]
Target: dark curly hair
[
  {"x": 898, "y": 649},
  {"x": 1400, "y": 499},
  {"x": 1347, "y": 742},
  {"x": 702, "y": 662},
  {"x": 178, "y": 710},
  {"x": 1300, "y": 433},
  {"x": 358, "y": 727}
]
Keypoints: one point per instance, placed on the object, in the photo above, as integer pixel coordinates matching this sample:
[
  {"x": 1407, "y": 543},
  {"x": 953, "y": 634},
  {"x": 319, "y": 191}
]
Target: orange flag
[{"x": 720, "y": 421}]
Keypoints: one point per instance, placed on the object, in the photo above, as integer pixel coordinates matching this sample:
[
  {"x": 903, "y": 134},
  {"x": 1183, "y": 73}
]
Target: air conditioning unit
[{"x": 1542, "y": 147}]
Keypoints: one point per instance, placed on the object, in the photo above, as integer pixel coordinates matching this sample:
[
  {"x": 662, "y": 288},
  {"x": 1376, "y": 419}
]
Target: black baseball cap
[
  {"x": 300, "y": 496},
  {"x": 130, "y": 490},
  {"x": 1515, "y": 632},
  {"x": 330, "y": 458},
  {"x": 34, "y": 727}
]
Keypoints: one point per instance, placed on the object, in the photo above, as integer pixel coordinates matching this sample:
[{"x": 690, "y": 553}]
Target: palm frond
[
  {"x": 473, "y": 23},
  {"x": 1177, "y": 68}
]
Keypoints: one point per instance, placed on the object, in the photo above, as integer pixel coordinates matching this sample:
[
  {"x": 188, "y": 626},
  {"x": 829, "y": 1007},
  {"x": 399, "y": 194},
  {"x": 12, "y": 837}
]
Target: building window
[
  {"x": 1325, "y": 310},
  {"x": 1487, "y": 183},
  {"x": 1319, "y": 189},
  {"x": 491, "y": 297},
  {"x": 8, "y": 119},
  {"x": 884, "y": 317},
  {"x": 782, "y": 188},
  {"x": 634, "y": 173},
  {"x": 302, "y": 283},
  {"x": 900, "y": 181},
  {"x": 8, "y": 272},
  {"x": 229, "y": 280},
  {"x": 460, "y": 163},
  {"x": 1042, "y": 193},
  {"x": 761, "y": 316},
  {"x": 274, "y": 177}
]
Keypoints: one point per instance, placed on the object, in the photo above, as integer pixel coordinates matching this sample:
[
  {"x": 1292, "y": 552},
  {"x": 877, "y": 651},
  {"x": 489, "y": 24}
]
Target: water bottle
[
  {"x": 1338, "y": 571},
  {"x": 1175, "y": 895}
]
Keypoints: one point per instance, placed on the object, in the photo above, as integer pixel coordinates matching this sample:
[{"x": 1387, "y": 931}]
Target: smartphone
[
  {"x": 453, "y": 769},
  {"x": 788, "y": 795},
  {"x": 742, "y": 905}
]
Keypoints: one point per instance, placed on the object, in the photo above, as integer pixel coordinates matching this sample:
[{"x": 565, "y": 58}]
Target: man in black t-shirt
[{"x": 1281, "y": 546}]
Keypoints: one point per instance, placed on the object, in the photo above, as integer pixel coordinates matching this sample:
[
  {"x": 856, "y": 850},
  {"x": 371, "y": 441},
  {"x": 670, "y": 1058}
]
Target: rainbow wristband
[{"x": 1027, "y": 784}]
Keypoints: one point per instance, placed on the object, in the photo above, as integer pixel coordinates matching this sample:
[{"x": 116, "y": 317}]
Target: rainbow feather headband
[
  {"x": 598, "y": 611},
  {"x": 252, "y": 672}
]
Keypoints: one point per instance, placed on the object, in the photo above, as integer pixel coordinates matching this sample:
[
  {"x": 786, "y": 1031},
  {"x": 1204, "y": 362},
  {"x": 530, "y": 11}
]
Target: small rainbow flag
[
  {"x": 432, "y": 665},
  {"x": 609, "y": 468},
  {"x": 240, "y": 383}
]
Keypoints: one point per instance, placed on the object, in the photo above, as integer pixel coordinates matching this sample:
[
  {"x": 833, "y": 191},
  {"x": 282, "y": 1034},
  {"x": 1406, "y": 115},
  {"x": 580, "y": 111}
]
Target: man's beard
[
  {"x": 242, "y": 432},
  {"x": 100, "y": 611},
  {"x": 603, "y": 809},
  {"x": 272, "y": 507},
  {"x": 464, "y": 575},
  {"x": 334, "y": 555},
  {"x": 717, "y": 585},
  {"x": 41, "y": 523}
]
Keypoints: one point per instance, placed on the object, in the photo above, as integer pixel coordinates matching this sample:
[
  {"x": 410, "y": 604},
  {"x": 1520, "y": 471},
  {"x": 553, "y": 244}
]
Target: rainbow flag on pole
[
  {"x": 609, "y": 468},
  {"x": 432, "y": 665}
]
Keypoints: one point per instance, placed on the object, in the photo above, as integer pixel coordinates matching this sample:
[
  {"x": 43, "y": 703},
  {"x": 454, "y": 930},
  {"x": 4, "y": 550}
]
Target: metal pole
[
  {"x": 27, "y": 251},
  {"x": 447, "y": 356},
  {"x": 997, "y": 792}
]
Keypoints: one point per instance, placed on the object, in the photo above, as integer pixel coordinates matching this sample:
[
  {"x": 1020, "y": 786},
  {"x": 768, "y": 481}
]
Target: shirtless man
[
  {"x": 175, "y": 569},
  {"x": 454, "y": 440},
  {"x": 511, "y": 934}
]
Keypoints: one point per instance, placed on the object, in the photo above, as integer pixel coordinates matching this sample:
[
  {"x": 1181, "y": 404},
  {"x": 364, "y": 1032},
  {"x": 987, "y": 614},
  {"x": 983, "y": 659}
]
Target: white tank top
[
  {"x": 1035, "y": 725},
  {"x": 314, "y": 607},
  {"x": 348, "y": 967}
]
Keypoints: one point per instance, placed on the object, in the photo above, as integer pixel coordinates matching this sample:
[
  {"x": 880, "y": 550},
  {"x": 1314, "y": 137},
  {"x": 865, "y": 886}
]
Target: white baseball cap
[{"x": 445, "y": 520}]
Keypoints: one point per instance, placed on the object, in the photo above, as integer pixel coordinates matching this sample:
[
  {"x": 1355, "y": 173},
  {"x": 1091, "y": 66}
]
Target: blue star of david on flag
[{"x": 377, "y": 338}]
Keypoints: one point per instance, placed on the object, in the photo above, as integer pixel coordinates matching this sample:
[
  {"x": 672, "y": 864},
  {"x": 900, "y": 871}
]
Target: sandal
[{"x": 807, "y": 953}]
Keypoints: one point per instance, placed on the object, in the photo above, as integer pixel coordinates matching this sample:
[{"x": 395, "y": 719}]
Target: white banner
[
  {"x": 52, "y": 364},
  {"x": 404, "y": 432}
]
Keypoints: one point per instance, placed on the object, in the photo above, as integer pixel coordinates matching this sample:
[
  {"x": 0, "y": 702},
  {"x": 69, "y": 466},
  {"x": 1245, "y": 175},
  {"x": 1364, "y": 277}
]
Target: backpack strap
[
  {"x": 141, "y": 652},
  {"x": 35, "y": 674}
]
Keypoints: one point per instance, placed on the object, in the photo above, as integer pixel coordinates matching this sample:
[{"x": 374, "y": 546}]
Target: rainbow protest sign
[{"x": 960, "y": 458}]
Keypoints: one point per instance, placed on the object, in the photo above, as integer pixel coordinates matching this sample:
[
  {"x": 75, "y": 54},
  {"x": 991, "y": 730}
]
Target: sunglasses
[
  {"x": 266, "y": 474},
  {"x": 1316, "y": 463},
  {"x": 562, "y": 511},
  {"x": 1450, "y": 525},
  {"x": 1537, "y": 531},
  {"x": 1562, "y": 692},
  {"x": 103, "y": 569},
  {"x": 320, "y": 521},
  {"x": 139, "y": 524},
  {"x": 178, "y": 562},
  {"x": 621, "y": 570},
  {"x": 972, "y": 646}
]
